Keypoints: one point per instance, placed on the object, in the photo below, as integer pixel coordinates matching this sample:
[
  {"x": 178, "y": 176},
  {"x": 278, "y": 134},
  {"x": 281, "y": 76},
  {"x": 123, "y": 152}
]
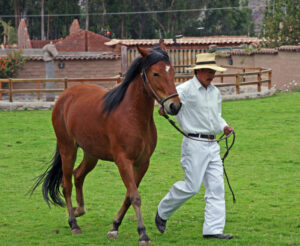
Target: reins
[{"x": 223, "y": 137}]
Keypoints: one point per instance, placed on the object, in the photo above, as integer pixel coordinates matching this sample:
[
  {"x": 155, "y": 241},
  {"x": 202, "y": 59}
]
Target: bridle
[{"x": 158, "y": 98}]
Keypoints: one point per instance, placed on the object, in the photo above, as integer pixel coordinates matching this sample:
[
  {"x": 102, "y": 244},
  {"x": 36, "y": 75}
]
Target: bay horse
[{"x": 115, "y": 125}]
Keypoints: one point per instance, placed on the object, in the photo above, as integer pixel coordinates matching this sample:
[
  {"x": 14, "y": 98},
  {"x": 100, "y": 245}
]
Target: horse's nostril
[{"x": 175, "y": 108}]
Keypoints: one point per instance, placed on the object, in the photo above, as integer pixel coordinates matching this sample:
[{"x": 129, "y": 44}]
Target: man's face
[{"x": 205, "y": 76}]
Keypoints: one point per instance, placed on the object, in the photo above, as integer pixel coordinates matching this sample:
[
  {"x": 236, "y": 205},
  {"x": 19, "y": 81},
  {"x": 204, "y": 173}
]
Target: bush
[{"x": 11, "y": 64}]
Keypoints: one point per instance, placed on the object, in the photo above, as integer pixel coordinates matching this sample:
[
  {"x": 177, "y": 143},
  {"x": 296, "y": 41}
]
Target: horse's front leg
[{"x": 131, "y": 180}]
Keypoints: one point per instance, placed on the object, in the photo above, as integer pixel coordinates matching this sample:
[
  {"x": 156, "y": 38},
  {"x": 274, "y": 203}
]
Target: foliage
[
  {"x": 11, "y": 64},
  {"x": 9, "y": 33},
  {"x": 281, "y": 25},
  {"x": 167, "y": 25},
  {"x": 235, "y": 21},
  {"x": 263, "y": 168}
]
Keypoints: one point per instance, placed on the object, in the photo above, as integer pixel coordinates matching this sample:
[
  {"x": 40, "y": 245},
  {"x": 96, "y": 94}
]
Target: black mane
[{"x": 114, "y": 97}]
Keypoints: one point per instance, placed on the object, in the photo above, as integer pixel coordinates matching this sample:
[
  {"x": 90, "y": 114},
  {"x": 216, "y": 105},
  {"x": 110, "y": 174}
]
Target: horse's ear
[
  {"x": 162, "y": 44},
  {"x": 143, "y": 52}
]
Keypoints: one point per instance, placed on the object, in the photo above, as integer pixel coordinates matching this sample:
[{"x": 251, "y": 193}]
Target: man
[{"x": 200, "y": 117}]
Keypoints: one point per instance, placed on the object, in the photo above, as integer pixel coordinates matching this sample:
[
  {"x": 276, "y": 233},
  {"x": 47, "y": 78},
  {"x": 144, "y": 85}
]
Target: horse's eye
[{"x": 155, "y": 74}]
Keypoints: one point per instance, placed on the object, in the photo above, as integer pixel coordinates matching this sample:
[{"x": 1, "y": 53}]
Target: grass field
[{"x": 263, "y": 166}]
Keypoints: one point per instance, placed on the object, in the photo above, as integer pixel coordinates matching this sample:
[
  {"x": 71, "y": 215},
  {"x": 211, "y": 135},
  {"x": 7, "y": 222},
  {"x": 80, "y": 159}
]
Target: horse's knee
[{"x": 135, "y": 201}]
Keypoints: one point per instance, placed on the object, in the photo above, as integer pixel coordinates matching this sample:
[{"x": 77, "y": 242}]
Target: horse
[{"x": 115, "y": 125}]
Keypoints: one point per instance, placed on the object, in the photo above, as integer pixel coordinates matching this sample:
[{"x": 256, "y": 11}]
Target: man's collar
[{"x": 198, "y": 84}]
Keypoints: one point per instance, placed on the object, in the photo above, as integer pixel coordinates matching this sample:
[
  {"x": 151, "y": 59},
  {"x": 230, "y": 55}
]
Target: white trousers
[{"x": 201, "y": 163}]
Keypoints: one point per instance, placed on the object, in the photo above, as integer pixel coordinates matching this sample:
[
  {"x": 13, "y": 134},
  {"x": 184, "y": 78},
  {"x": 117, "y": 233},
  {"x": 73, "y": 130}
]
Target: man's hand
[{"x": 228, "y": 130}]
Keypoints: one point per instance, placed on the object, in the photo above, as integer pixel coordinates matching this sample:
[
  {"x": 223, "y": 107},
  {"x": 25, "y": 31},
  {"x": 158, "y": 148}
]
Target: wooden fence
[
  {"x": 184, "y": 58},
  {"x": 257, "y": 76},
  {"x": 243, "y": 77},
  {"x": 60, "y": 84}
]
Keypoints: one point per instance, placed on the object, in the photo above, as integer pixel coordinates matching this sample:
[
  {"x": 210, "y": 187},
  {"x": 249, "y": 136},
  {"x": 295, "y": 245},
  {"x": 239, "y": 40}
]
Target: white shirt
[{"x": 201, "y": 109}]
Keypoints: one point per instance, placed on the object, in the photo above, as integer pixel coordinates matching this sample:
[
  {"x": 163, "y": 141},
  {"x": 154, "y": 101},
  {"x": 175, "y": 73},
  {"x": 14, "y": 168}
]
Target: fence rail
[
  {"x": 238, "y": 79},
  {"x": 11, "y": 90}
]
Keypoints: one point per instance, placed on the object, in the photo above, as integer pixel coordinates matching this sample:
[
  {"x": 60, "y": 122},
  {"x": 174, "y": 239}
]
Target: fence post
[
  {"x": 10, "y": 90},
  {"x": 38, "y": 87},
  {"x": 0, "y": 89},
  {"x": 259, "y": 81},
  {"x": 237, "y": 83},
  {"x": 270, "y": 79},
  {"x": 66, "y": 83},
  {"x": 244, "y": 70}
]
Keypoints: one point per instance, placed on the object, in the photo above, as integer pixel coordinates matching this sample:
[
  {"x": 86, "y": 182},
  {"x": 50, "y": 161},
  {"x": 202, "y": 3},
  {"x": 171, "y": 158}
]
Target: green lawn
[{"x": 263, "y": 166}]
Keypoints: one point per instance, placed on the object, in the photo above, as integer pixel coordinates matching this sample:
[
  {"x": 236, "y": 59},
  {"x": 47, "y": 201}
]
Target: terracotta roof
[
  {"x": 289, "y": 48},
  {"x": 74, "y": 56},
  {"x": 188, "y": 41},
  {"x": 252, "y": 52}
]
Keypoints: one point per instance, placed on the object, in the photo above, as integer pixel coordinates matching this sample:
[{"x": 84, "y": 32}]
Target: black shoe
[
  {"x": 160, "y": 223},
  {"x": 219, "y": 236}
]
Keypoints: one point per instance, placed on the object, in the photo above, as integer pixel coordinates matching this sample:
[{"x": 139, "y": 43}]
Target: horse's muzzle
[{"x": 174, "y": 108}]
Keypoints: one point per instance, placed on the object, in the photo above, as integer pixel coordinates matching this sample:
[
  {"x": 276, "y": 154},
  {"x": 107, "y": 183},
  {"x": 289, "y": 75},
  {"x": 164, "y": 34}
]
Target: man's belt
[{"x": 197, "y": 135}]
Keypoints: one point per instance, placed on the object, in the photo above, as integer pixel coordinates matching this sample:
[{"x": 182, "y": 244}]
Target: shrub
[{"x": 11, "y": 64}]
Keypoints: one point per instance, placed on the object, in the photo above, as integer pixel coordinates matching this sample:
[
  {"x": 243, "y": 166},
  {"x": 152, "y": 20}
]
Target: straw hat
[{"x": 207, "y": 60}]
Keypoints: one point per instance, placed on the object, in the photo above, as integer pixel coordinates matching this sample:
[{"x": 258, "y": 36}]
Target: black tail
[{"x": 51, "y": 180}]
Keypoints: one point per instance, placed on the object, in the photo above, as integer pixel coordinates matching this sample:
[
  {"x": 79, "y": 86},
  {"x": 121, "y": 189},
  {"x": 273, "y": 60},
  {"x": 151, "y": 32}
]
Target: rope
[{"x": 223, "y": 137}]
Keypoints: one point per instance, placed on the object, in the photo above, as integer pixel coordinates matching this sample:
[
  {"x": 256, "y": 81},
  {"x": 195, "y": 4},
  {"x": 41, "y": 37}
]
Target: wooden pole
[
  {"x": 38, "y": 86},
  {"x": 0, "y": 89},
  {"x": 259, "y": 81},
  {"x": 66, "y": 83},
  {"x": 270, "y": 78},
  {"x": 10, "y": 90},
  {"x": 42, "y": 21},
  {"x": 237, "y": 84}
]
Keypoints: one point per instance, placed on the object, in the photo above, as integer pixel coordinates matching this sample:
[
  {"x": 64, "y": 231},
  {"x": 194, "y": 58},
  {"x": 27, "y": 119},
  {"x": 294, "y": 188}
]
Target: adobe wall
[
  {"x": 285, "y": 67},
  {"x": 73, "y": 69}
]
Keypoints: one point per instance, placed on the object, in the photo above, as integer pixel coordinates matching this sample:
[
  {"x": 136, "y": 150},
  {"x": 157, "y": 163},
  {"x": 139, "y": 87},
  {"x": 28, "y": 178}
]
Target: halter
[{"x": 159, "y": 99}]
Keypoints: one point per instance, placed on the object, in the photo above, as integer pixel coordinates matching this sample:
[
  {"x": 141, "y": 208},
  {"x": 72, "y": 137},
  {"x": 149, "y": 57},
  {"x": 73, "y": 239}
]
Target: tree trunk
[
  {"x": 42, "y": 21},
  {"x": 86, "y": 14}
]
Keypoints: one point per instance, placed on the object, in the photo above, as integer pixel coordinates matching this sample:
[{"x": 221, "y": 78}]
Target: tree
[
  {"x": 9, "y": 33},
  {"x": 281, "y": 24},
  {"x": 229, "y": 21}
]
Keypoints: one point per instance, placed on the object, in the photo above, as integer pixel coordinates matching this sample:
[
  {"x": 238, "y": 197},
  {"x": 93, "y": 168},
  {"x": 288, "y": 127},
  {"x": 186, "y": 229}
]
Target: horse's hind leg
[
  {"x": 113, "y": 233},
  {"x": 68, "y": 153},
  {"x": 87, "y": 164}
]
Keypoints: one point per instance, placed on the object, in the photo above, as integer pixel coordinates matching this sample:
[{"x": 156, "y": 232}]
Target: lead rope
[
  {"x": 223, "y": 160},
  {"x": 228, "y": 148}
]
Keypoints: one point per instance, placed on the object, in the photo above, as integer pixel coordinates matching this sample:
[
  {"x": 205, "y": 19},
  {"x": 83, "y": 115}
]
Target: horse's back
[{"x": 78, "y": 108}]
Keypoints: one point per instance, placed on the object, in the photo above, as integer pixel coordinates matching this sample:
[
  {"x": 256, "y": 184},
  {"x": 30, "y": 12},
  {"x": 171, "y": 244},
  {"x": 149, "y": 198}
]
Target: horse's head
[{"x": 158, "y": 75}]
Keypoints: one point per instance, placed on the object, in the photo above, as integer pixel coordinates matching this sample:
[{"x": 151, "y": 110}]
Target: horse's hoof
[
  {"x": 78, "y": 211},
  {"x": 145, "y": 243},
  {"x": 113, "y": 234},
  {"x": 76, "y": 231}
]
